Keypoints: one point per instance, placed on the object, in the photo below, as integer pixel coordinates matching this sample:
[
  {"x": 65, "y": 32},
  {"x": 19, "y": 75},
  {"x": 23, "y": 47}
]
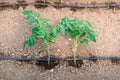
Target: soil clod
[
  {"x": 79, "y": 63},
  {"x": 45, "y": 64}
]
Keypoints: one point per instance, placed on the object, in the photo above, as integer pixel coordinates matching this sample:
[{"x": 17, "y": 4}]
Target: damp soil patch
[
  {"x": 41, "y": 4},
  {"x": 115, "y": 61},
  {"x": 23, "y": 4},
  {"x": 44, "y": 64},
  {"x": 4, "y": 6},
  {"x": 78, "y": 64}
]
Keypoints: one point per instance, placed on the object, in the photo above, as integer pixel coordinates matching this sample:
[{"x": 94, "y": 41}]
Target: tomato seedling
[
  {"x": 80, "y": 31},
  {"x": 39, "y": 31}
]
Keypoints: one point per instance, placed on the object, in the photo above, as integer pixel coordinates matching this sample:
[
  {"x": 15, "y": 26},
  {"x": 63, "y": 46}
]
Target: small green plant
[
  {"x": 80, "y": 31},
  {"x": 39, "y": 31}
]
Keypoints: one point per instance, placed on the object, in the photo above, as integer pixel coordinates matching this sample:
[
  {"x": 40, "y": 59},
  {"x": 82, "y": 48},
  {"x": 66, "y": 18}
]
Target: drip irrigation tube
[
  {"x": 59, "y": 59},
  {"x": 64, "y": 5}
]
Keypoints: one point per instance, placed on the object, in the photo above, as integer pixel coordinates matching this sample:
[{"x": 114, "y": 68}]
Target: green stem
[
  {"x": 48, "y": 52},
  {"x": 61, "y": 1},
  {"x": 75, "y": 48},
  {"x": 44, "y": 1}
]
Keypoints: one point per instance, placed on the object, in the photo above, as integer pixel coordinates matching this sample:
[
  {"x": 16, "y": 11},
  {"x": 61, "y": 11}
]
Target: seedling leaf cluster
[
  {"x": 80, "y": 31},
  {"x": 39, "y": 30}
]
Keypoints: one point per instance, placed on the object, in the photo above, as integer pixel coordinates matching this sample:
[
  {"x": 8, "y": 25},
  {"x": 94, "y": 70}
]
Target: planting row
[
  {"x": 62, "y": 1},
  {"x": 80, "y": 31}
]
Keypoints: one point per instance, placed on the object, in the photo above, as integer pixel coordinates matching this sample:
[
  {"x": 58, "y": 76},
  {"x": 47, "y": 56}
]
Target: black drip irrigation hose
[
  {"x": 64, "y": 5},
  {"x": 59, "y": 59}
]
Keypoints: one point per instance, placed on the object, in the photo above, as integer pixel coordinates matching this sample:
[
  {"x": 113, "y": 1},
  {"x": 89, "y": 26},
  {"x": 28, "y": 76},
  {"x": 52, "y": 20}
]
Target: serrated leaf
[
  {"x": 44, "y": 34},
  {"x": 28, "y": 17},
  {"x": 46, "y": 25},
  {"x": 44, "y": 20},
  {"x": 49, "y": 39},
  {"x": 74, "y": 33},
  {"x": 85, "y": 42},
  {"x": 82, "y": 34},
  {"x": 31, "y": 41},
  {"x": 37, "y": 14},
  {"x": 76, "y": 21},
  {"x": 91, "y": 37},
  {"x": 32, "y": 20},
  {"x": 88, "y": 24},
  {"x": 54, "y": 32},
  {"x": 62, "y": 29},
  {"x": 27, "y": 12},
  {"x": 65, "y": 19},
  {"x": 69, "y": 26}
]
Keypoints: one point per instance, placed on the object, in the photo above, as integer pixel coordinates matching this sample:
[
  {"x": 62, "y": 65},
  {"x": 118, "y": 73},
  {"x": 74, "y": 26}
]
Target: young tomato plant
[
  {"x": 80, "y": 31},
  {"x": 39, "y": 31}
]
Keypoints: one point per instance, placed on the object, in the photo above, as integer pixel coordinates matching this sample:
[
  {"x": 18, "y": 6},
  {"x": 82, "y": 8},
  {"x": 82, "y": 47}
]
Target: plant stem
[
  {"x": 61, "y": 1},
  {"x": 48, "y": 52},
  {"x": 44, "y": 1},
  {"x": 75, "y": 48}
]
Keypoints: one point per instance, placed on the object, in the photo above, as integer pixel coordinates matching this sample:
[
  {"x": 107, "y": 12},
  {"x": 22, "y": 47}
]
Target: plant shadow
[{"x": 52, "y": 64}]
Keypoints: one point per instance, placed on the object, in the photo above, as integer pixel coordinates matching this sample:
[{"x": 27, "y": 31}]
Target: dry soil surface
[
  {"x": 65, "y": 1},
  {"x": 14, "y": 31}
]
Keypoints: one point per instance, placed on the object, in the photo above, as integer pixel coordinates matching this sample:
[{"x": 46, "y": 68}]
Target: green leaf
[
  {"x": 37, "y": 14},
  {"x": 27, "y": 12},
  {"x": 44, "y": 20},
  {"x": 69, "y": 26},
  {"x": 31, "y": 41},
  {"x": 85, "y": 42},
  {"x": 62, "y": 29},
  {"x": 82, "y": 34},
  {"x": 74, "y": 33},
  {"x": 32, "y": 20},
  {"x": 28, "y": 17},
  {"x": 76, "y": 21},
  {"x": 88, "y": 24},
  {"x": 54, "y": 32},
  {"x": 44, "y": 34},
  {"x": 65, "y": 19},
  {"x": 91, "y": 36},
  {"x": 49, "y": 39},
  {"x": 46, "y": 25}
]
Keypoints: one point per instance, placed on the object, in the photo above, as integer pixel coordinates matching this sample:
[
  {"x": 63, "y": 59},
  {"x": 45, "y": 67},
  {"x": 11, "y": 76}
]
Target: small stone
[
  {"x": 13, "y": 54},
  {"x": 69, "y": 39},
  {"x": 51, "y": 70},
  {"x": 58, "y": 50},
  {"x": 18, "y": 64},
  {"x": 24, "y": 55},
  {"x": 2, "y": 44}
]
